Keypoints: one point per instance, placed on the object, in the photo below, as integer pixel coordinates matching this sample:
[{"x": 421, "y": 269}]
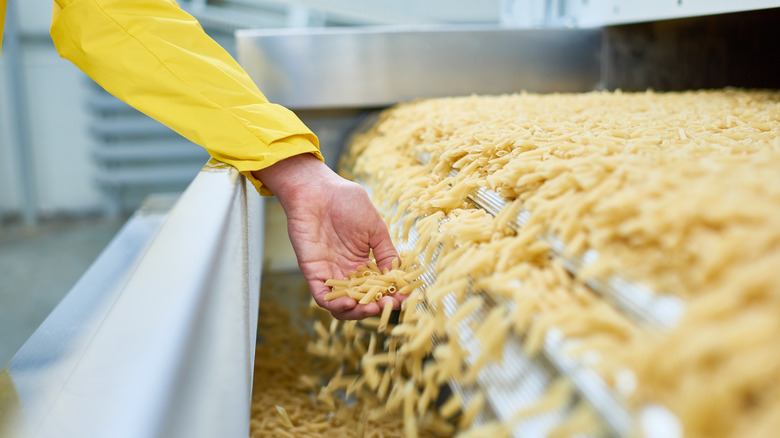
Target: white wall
[
  {"x": 9, "y": 189},
  {"x": 57, "y": 112}
]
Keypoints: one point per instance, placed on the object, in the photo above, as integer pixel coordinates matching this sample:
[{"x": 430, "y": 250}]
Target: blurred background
[{"x": 76, "y": 162}]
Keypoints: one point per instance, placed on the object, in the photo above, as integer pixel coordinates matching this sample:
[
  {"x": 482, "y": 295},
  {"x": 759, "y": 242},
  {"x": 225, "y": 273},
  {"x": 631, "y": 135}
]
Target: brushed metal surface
[
  {"x": 157, "y": 338},
  {"x": 383, "y": 65}
]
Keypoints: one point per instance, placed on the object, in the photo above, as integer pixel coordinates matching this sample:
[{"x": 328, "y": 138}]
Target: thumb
[{"x": 382, "y": 246}]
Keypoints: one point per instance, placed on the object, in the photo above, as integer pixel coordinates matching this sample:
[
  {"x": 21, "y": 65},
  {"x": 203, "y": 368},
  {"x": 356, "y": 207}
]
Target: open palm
[{"x": 333, "y": 227}]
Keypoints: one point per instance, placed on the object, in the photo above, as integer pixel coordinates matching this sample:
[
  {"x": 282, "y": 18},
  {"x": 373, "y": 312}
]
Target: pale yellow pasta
[
  {"x": 472, "y": 410},
  {"x": 677, "y": 191},
  {"x": 285, "y": 418},
  {"x": 557, "y": 395},
  {"x": 494, "y": 429},
  {"x": 334, "y": 283},
  {"x": 283, "y": 405},
  {"x": 410, "y": 421},
  {"x": 385, "y": 316},
  {"x": 336, "y": 294},
  {"x": 370, "y": 294},
  {"x": 471, "y": 305},
  {"x": 451, "y": 406}
]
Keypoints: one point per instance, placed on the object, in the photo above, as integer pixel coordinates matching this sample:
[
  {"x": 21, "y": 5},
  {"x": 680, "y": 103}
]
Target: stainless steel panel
[
  {"x": 157, "y": 339},
  {"x": 379, "y": 66}
]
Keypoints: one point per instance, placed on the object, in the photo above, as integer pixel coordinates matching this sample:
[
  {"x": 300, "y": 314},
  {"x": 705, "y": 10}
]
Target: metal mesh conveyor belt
[
  {"x": 637, "y": 301},
  {"x": 519, "y": 381},
  {"x": 515, "y": 383}
]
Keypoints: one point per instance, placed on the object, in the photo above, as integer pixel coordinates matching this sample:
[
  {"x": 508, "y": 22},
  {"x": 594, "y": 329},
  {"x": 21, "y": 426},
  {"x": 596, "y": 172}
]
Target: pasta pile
[
  {"x": 368, "y": 283},
  {"x": 679, "y": 192},
  {"x": 391, "y": 360},
  {"x": 291, "y": 396}
]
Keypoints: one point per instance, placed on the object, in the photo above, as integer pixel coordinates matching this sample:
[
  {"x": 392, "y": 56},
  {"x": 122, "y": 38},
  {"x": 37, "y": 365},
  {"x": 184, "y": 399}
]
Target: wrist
[{"x": 291, "y": 176}]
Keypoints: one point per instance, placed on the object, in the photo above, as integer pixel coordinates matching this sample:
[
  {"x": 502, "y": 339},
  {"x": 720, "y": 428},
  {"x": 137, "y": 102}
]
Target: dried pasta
[
  {"x": 287, "y": 378},
  {"x": 368, "y": 283},
  {"x": 679, "y": 192}
]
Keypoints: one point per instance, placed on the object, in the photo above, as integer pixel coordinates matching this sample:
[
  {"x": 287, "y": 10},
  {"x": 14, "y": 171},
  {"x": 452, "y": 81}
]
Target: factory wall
[{"x": 58, "y": 118}]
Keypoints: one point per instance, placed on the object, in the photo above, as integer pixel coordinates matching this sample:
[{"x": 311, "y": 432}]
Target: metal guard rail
[{"x": 157, "y": 339}]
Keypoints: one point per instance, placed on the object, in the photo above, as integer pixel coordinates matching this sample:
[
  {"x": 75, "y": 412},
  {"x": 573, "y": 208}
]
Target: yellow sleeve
[
  {"x": 156, "y": 57},
  {"x": 2, "y": 20}
]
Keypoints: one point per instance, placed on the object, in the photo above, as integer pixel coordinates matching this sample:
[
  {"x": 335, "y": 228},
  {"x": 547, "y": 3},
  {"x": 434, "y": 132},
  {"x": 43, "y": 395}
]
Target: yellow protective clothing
[
  {"x": 2, "y": 20},
  {"x": 157, "y": 58}
]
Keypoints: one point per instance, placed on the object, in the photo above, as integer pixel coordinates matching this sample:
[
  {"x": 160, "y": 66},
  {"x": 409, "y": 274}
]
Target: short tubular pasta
[
  {"x": 677, "y": 192},
  {"x": 384, "y": 319},
  {"x": 368, "y": 283},
  {"x": 283, "y": 404}
]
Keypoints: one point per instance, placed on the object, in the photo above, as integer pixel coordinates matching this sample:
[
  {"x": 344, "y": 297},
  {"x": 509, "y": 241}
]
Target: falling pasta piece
[
  {"x": 285, "y": 418},
  {"x": 384, "y": 319}
]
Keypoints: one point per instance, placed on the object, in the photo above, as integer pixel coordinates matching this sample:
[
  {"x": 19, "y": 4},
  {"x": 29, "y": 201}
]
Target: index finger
[
  {"x": 362, "y": 311},
  {"x": 382, "y": 246},
  {"x": 318, "y": 291}
]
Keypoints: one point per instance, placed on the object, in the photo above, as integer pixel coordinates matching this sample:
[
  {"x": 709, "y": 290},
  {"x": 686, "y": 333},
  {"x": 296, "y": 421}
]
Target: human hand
[{"x": 332, "y": 226}]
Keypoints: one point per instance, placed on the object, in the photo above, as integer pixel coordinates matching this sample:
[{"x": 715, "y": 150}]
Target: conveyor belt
[
  {"x": 515, "y": 383},
  {"x": 635, "y": 300},
  {"x": 519, "y": 381}
]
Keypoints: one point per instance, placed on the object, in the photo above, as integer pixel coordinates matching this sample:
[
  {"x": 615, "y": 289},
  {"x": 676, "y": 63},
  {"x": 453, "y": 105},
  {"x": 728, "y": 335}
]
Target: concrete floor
[{"x": 38, "y": 266}]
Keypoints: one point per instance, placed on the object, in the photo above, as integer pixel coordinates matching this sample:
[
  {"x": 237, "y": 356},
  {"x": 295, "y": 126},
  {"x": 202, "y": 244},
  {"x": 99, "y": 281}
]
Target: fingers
[
  {"x": 362, "y": 311},
  {"x": 339, "y": 305},
  {"x": 345, "y": 308},
  {"x": 340, "y": 246},
  {"x": 383, "y": 248},
  {"x": 400, "y": 298},
  {"x": 395, "y": 299}
]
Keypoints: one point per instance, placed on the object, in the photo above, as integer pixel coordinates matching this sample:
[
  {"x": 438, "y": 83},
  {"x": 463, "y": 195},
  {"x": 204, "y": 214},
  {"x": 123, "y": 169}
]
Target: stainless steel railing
[{"x": 157, "y": 339}]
